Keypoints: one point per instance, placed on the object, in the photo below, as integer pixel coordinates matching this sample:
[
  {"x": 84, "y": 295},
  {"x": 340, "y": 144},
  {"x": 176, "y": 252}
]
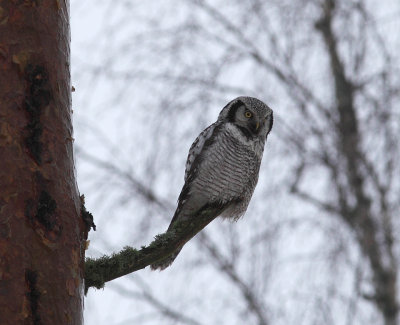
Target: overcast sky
[{"x": 148, "y": 80}]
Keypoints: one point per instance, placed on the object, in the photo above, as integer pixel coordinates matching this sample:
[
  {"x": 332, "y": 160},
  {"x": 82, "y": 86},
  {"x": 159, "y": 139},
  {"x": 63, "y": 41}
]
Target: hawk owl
[{"x": 223, "y": 164}]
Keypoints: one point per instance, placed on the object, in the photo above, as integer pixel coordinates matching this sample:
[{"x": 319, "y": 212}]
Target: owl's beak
[{"x": 255, "y": 126}]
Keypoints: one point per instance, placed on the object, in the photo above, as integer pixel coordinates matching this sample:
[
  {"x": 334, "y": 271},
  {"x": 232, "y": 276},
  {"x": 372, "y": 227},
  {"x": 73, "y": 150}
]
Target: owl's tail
[
  {"x": 167, "y": 261},
  {"x": 164, "y": 263},
  {"x": 207, "y": 213}
]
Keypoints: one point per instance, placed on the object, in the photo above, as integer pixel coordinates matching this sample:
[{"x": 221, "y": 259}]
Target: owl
[{"x": 223, "y": 165}]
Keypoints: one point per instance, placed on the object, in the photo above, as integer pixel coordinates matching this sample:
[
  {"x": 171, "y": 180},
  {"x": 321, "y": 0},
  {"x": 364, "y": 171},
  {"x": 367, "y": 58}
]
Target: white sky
[{"x": 118, "y": 119}]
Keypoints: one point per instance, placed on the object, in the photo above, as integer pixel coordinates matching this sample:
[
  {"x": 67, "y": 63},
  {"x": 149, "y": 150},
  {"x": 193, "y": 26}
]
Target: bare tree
[{"x": 321, "y": 235}]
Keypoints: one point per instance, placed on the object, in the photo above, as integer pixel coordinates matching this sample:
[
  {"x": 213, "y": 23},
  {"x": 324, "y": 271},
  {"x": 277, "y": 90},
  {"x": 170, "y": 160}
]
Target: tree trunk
[{"x": 42, "y": 234}]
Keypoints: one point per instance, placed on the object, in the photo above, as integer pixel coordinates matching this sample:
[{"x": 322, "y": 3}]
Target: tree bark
[{"x": 42, "y": 234}]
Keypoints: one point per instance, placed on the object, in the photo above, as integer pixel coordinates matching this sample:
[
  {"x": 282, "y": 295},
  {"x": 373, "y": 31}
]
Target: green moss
[{"x": 128, "y": 260}]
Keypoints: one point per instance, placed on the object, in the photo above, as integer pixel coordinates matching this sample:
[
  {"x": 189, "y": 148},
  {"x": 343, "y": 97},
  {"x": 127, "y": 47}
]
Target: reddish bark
[{"x": 41, "y": 232}]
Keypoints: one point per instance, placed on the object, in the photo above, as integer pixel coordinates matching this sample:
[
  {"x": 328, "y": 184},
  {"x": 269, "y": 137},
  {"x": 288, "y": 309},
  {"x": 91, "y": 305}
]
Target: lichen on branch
[{"x": 106, "y": 268}]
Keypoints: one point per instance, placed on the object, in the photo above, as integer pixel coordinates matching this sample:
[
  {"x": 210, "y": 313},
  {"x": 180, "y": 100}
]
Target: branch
[
  {"x": 106, "y": 268},
  {"x": 164, "y": 308},
  {"x": 254, "y": 304},
  {"x": 139, "y": 187},
  {"x": 361, "y": 217}
]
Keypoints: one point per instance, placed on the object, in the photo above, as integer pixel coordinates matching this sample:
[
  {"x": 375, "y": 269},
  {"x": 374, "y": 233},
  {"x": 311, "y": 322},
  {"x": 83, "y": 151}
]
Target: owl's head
[{"x": 250, "y": 115}]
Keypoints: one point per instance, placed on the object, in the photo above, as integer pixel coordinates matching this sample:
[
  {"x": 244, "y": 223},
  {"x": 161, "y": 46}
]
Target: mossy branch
[{"x": 106, "y": 268}]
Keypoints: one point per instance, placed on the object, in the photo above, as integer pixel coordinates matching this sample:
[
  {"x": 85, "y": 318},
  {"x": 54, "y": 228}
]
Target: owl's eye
[{"x": 248, "y": 114}]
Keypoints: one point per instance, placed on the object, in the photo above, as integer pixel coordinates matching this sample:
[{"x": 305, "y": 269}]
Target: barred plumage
[{"x": 223, "y": 164}]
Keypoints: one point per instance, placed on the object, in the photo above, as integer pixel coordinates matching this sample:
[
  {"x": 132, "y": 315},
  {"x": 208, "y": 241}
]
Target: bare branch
[
  {"x": 140, "y": 188},
  {"x": 254, "y": 304},
  {"x": 163, "y": 308},
  {"x": 360, "y": 218}
]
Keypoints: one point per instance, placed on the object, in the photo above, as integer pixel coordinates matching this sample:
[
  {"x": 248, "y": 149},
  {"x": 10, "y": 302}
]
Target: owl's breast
[{"x": 229, "y": 170}]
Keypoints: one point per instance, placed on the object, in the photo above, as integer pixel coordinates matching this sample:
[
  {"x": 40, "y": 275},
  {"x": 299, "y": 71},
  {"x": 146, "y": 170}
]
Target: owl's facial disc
[
  {"x": 246, "y": 120},
  {"x": 250, "y": 119}
]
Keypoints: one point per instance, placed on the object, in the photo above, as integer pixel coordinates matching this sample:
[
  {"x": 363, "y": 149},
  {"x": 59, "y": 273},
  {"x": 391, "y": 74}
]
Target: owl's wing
[
  {"x": 197, "y": 147},
  {"x": 193, "y": 160}
]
